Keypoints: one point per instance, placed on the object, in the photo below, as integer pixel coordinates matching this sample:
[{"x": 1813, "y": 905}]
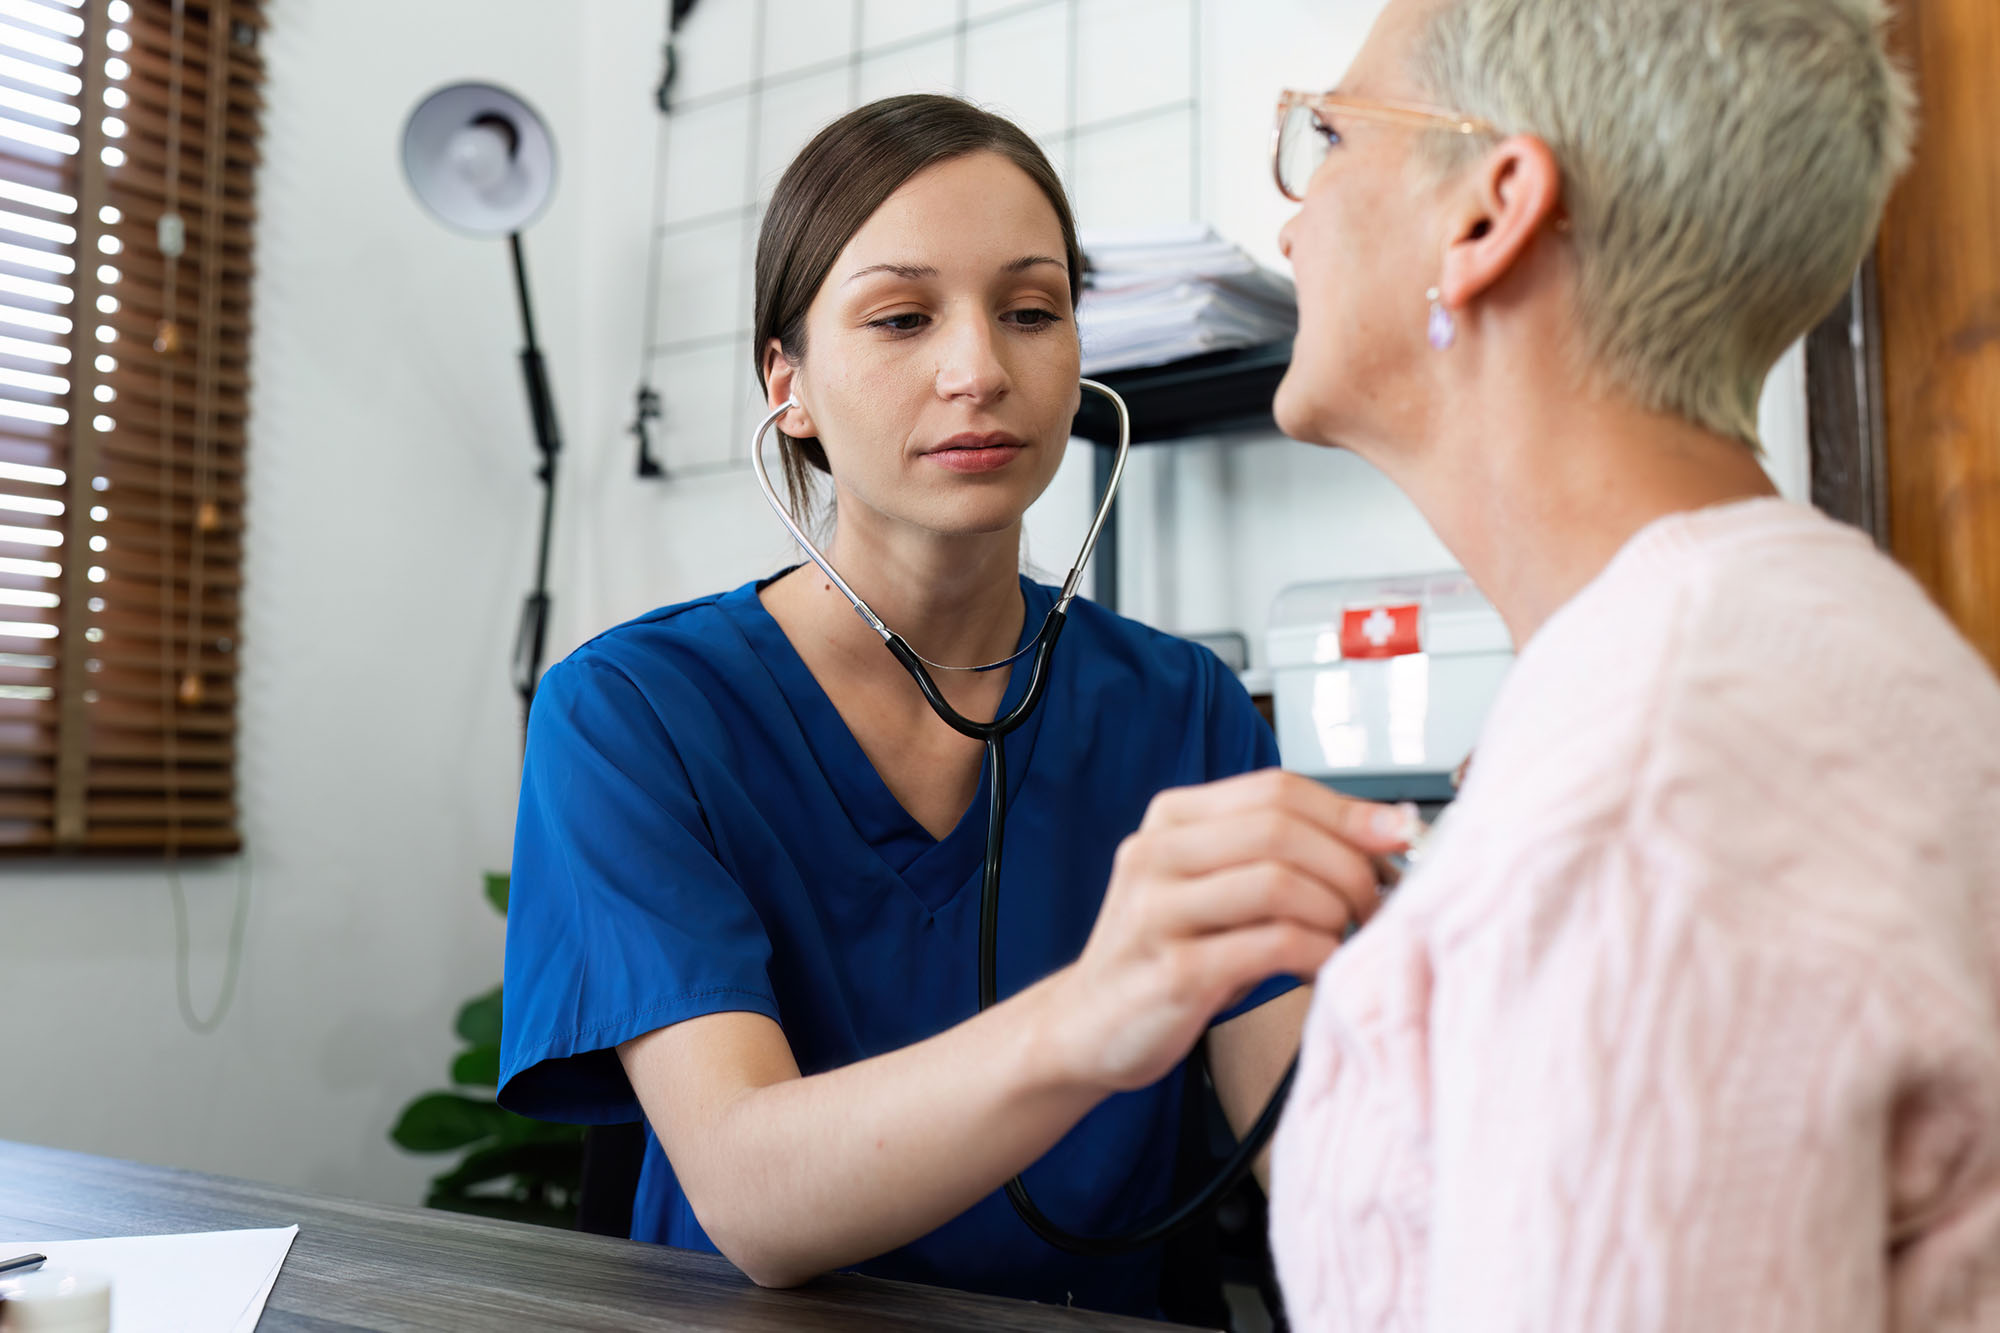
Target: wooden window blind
[{"x": 128, "y": 149}]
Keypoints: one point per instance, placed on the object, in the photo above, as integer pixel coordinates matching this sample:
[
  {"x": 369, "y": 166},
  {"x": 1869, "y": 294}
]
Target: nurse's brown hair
[{"x": 835, "y": 185}]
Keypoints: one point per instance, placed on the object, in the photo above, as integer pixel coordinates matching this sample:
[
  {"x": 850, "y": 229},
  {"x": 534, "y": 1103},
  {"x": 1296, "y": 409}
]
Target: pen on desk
[{"x": 22, "y": 1263}]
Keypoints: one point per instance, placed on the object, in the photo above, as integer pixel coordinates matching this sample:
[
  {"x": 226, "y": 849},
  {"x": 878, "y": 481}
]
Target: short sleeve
[
  {"x": 620, "y": 918},
  {"x": 1238, "y": 740}
]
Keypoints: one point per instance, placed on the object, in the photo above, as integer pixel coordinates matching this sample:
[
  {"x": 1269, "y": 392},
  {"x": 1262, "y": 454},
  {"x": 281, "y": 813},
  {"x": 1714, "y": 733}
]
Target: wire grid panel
[{"x": 1109, "y": 88}]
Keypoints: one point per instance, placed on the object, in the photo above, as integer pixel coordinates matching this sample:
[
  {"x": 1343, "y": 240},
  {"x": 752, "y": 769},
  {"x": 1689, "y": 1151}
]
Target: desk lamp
[{"x": 483, "y": 163}]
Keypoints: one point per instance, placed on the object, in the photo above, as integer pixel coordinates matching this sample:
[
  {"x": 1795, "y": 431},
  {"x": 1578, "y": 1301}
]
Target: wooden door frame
[{"x": 1939, "y": 319}]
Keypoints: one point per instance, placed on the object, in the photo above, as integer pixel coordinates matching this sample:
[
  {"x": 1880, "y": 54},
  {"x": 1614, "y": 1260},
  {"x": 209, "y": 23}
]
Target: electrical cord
[{"x": 183, "y": 950}]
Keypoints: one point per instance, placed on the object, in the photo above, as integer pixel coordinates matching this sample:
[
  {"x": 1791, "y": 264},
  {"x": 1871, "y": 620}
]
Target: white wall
[
  {"x": 391, "y": 508},
  {"x": 624, "y": 545},
  {"x": 1210, "y": 530},
  {"x": 390, "y": 502}
]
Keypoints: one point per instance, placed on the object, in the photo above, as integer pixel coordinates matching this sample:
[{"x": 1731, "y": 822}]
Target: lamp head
[{"x": 479, "y": 158}]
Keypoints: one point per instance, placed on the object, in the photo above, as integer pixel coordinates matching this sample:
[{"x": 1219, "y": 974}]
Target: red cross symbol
[{"x": 1379, "y": 631}]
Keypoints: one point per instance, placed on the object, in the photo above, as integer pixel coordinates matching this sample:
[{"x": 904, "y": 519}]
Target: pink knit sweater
[{"x": 1691, "y": 1018}]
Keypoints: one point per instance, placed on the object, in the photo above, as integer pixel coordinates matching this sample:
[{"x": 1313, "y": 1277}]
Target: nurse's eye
[
  {"x": 904, "y": 323},
  {"x": 1034, "y": 320},
  {"x": 1325, "y": 130}
]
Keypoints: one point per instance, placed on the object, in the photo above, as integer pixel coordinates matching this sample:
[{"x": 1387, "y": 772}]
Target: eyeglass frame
[{"x": 1388, "y": 113}]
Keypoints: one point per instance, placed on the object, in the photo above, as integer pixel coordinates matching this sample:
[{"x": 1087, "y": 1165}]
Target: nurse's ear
[{"x": 781, "y": 380}]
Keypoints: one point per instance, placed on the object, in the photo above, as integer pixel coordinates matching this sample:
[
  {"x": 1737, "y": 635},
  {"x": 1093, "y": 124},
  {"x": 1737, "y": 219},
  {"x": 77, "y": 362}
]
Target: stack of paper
[
  {"x": 1158, "y": 294},
  {"x": 203, "y": 1282}
]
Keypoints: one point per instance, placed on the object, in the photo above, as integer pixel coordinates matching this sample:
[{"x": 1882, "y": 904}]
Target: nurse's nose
[
  {"x": 969, "y": 364},
  {"x": 1285, "y": 234}
]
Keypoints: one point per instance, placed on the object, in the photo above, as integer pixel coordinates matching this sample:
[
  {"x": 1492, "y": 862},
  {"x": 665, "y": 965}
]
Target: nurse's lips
[{"x": 972, "y": 452}]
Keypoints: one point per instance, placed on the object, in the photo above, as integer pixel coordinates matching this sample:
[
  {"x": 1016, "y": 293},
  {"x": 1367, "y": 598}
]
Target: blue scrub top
[{"x": 699, "y": 832}]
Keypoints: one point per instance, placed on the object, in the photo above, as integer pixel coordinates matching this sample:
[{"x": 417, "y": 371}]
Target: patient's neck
[{"x": 1535, "y": 488}]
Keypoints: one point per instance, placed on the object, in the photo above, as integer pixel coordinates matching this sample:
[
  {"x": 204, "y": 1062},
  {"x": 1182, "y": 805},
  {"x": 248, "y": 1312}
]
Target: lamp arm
[{"x": 531, "y": 640}]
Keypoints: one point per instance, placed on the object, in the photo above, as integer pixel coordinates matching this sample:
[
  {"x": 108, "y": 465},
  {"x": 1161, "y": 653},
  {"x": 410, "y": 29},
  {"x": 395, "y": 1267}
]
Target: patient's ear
[
  {"x": 781, "y": 380},
  {"x": 1511, "y": 197}
]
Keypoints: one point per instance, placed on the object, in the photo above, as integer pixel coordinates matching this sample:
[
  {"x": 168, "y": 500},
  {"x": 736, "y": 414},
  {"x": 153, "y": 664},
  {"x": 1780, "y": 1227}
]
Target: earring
[{"x": 1443, "y": 328}]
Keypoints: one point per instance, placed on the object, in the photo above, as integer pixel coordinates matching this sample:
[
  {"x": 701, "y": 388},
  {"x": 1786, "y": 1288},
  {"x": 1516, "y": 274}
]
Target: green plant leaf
[
  {"x": 478, "y": 1067},
  {"x": 479, "y": 1020},
  {"x": 536, "y": 1166},
  {"x": 520, "y": 1129},
  {"x": 479, "y": 1166},
  {"x": 441, "y": 1121},
  {"x": 508, "y": 1209},
  {"x": 496, "y": 890}
]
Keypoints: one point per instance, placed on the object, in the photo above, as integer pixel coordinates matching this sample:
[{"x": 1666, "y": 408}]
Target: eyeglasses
[{"x": 1306, "y": 131}]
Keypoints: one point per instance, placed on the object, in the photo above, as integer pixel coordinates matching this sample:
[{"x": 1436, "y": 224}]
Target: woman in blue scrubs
[{"x": 746, "y": 873}]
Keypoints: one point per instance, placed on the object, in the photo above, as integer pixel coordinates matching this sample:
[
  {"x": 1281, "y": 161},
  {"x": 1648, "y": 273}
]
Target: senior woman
[{"x": 1689, "y": 1017}]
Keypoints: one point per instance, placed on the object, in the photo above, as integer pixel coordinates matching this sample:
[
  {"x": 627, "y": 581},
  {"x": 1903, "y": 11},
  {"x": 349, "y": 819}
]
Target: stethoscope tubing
[{"x": 994, "y": 735}]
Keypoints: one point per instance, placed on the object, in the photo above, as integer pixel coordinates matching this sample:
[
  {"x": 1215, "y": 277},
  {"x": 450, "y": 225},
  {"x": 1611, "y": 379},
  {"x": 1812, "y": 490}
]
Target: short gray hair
[{"x": 1724, "y": 164}]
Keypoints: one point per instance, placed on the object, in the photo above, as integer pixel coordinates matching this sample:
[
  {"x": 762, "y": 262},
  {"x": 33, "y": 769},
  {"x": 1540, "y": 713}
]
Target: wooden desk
[{"x": 372, "y": 1266}]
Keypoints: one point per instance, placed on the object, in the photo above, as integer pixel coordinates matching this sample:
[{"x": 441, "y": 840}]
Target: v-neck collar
[{"x": 933, "y": 869}]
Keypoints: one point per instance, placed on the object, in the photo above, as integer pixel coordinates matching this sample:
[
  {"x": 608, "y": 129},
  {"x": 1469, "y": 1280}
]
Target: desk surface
[{"x": 374, "y": 1266}]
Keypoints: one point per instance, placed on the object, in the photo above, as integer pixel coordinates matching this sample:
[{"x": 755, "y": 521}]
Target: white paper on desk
[{"x": 201, "y": 1282}]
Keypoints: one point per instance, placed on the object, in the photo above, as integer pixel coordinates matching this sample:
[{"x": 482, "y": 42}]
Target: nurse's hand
[{"x": 1222, "y": 887}]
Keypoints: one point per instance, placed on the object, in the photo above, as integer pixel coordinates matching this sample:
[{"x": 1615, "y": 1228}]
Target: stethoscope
[{"x": 994, "y": 734}]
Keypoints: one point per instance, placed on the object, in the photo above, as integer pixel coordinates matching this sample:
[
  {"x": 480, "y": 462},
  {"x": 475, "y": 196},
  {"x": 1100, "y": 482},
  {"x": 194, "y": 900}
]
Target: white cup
[{"x": 55, "y": 1300}]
